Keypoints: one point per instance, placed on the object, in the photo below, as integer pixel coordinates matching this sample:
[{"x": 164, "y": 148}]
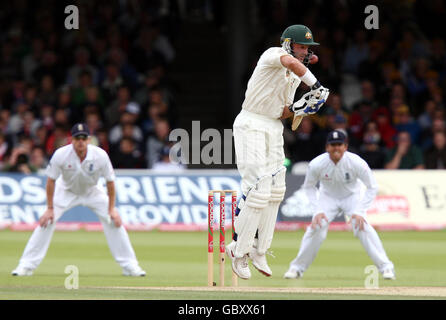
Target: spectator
[
  {"x": 151, "y": 81},
  {"x": 32, "y": 60},
  {"x": 156, "y": 143},
  {"x": 19, "y": 162},
  {"x": 371, "y": 150},
  {"x": 118, "y": 106},
  {"x": 15, "y": 94},
  {"x": 30, "y": 124},
  {"x": 5, "y": 147},
  {"x": 41, "y": 137},
  {"x": 425, "y": 118},
  {"x": 9, "y": 65},
  {"x": 404, "y": 122},
  {"x": 17, "y": 119},
  {"x": 81, "y": 65},
  {"x": 358, "y": 118},
  {"x": 127, "y": 156},
  {"x": 46, "y": 116},
  {"x": 80, "y": 91},
  {"x": 63, "y": 101},
  {"x": 49, "y": 66},
  {"x": 438, "y": 124},
  {"x": 116, "y": 132},
  {"x": 144, "y": 53},
  {"x": 332, "y": 107},
  {"x": 165, "y": 165},
  {"x": 32, "y": 99},
  {"x": 301, "y": 147},
  {"x": 112, "y": 81},
  {"x": 102, "y": 137},
  {"x": 38, "y": 159},
  {"x": 47, "y": 92},
  {"x": 435, "y": 156},
  {"x": 404, "y": 155},
  {"x": 356, "y": 52},
  {"x": 387, "y": 132},
  {"x": 60, "y": 137}
]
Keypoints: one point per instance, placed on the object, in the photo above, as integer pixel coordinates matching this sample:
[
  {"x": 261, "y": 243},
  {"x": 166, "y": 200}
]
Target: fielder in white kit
[
  {"x": 77, "y": 168},
  {"x": 338, "y": 171},
  {"x": 258, "y": 140}
]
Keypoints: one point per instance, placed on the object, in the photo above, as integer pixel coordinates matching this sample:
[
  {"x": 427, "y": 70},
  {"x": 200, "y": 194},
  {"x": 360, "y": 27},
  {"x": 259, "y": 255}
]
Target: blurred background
[{"x": 136, "y": 70}]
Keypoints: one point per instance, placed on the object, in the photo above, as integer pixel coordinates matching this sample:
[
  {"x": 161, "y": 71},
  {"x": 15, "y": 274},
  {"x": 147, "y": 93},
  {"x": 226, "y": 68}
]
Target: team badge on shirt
[{"x": 347, "y": 176}]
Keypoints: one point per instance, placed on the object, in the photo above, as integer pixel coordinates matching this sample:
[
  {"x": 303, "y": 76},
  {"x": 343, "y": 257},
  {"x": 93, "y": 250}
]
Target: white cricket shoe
[
  {"x": 22, "y": 271},
  {"x": 239, "y": 265},
  {"x": 293, "y": 274},
  {"x": 259, "y": 262},
  {"x": 389, "y": 274},
  {"x": 133, "y": 271}
]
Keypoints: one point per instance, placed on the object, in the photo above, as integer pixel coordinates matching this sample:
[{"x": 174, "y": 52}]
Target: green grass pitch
[{"x": 178, "y": 260}]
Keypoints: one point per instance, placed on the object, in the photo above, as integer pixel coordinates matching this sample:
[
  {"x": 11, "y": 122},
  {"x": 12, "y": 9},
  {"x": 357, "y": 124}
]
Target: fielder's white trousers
[
  {"x": 117, "y": 238},
  {"x": 314, "y": 237},
  {"x": 258, "y": 143}
]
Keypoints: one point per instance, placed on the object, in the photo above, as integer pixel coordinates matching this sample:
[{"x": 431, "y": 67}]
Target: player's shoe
[
  {"x": 293, "y": 274},
  {"x": 133, "y": 271},
  {"x": 259, "y": 262},
  {"x": 239, "y": 265},
  {"x": 389, "y": 274},
  {"x": 22, "y": 271}
]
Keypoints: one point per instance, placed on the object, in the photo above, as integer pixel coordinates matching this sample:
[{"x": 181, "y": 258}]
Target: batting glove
[
  {"x": 306, "y": 105},
  {"x": 320, "y": 92}
]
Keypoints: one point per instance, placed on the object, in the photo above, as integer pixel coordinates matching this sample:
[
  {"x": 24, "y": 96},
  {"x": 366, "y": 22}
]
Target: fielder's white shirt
[
  {"x": 76, "y": 177},
  {"x": 271, "y": 86},
  {"x": 340, "y": 180}
]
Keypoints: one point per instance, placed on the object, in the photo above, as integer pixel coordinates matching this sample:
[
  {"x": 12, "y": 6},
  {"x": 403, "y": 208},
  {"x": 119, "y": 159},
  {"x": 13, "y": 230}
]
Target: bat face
[{"x": 296, "y": 122}]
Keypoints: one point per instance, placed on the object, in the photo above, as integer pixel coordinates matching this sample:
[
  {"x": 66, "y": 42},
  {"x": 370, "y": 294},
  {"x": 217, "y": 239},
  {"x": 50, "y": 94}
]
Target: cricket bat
[{"x": 296, "y": 122}]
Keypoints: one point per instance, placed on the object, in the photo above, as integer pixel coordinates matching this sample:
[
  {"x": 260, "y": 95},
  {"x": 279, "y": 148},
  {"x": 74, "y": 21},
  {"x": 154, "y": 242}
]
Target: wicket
[{"x": 222, "y": 235}]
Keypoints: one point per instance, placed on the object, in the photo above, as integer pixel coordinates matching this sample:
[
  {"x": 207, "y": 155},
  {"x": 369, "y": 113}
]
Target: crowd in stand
[
  {"x": 387, "y": 86},
  {"x": 109, "y": 74}
]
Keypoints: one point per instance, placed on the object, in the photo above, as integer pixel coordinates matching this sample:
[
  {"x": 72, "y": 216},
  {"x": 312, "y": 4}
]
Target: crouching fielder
[
  {"x": 77, "y": 168},
  {"x": 338, "y": 172}
]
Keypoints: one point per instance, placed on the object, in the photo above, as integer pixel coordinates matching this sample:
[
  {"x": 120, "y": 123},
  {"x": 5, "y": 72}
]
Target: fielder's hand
[
  {"x": 115, "y": 217},
  {"x": 47, "y": 218},
  {"x": 318, "y": 220},
  {"x": 359, "y": 221}
]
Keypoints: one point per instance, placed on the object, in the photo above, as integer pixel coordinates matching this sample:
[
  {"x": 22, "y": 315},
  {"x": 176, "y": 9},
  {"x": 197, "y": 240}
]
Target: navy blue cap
[
  {"x": 336, "y": 136},
  {"x": 80, "y": 129}
]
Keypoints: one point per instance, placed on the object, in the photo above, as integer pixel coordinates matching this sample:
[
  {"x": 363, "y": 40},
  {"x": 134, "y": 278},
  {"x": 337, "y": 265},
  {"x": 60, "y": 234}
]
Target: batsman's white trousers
[
  {"x": 314, "y": 237},
  {"x": 117, "y": 238},
  {"x": 258, "y": 143}
]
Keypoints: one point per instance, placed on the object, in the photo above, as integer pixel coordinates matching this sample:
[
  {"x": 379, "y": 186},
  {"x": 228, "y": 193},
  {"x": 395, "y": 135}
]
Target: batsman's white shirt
[
  {"x": 76, "y": 177},
  {"x": 340, "y": 182},
  {"x": 258, "y": 131},
  {"x": 271, "y": 86}
]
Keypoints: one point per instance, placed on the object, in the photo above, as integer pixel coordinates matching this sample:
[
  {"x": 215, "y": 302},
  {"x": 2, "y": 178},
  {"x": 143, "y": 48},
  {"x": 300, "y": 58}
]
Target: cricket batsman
[{"x": 258, "y": 140}]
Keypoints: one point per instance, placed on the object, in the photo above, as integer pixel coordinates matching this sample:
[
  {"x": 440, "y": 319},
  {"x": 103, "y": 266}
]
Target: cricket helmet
[{"x": 297, "y": 33}]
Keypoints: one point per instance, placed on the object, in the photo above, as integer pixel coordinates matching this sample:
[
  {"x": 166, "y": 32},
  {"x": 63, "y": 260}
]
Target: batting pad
[
  {"x": 268, "y": 218},
  {"x": 248, "y": 219}
]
